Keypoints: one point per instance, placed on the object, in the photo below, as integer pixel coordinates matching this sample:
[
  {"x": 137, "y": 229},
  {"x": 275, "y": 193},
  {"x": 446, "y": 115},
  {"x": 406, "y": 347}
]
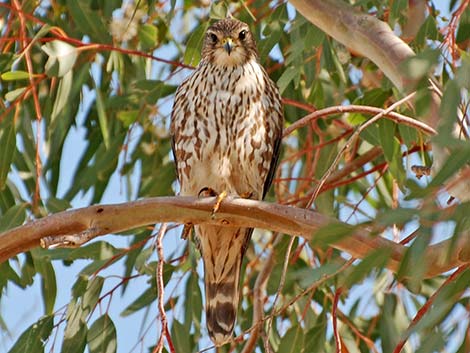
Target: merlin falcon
[{"x": 226, "y": 131}]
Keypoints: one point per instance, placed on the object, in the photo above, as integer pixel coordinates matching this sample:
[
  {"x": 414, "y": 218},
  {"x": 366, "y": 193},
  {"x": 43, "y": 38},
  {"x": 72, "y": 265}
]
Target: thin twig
[
  {"x": 352, "y": 139},
  {"x": 161, "y": 294},
  {"x": 37, "y": 106},
  {"x": 258, "y": 296},
  {"x": 386, "y": 113},
  {"x": 279, "y": 290},
  {"x": 427, "y": 306},
  {"x": 334, "y": 317}
]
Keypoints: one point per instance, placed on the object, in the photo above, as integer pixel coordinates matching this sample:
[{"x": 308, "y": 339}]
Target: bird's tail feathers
[{"x": 222, "y": 266}]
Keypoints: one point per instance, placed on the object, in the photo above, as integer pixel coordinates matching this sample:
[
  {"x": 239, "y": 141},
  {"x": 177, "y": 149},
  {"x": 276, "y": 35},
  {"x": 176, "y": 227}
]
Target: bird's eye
[
  {"x": 242, "y": 35},
  {"x": 214, "y": 38}
]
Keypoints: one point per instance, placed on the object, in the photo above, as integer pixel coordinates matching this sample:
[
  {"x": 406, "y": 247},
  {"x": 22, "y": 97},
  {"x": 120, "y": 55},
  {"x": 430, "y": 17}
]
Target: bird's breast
[{"x": 228, "y": 127}]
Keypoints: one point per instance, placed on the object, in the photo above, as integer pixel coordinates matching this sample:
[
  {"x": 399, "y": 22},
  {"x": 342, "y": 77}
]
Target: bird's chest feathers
[
  {"x": 232, "y": 116},
  {"x": 234, "y": 91}
]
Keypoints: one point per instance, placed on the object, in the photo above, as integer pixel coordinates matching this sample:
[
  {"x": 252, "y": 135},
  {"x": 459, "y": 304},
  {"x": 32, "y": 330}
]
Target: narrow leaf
[
  {"x": 13, "y": 217},
  {"x": 102, "y": 117},
  {"x": 101, "y": 336},
  {"x": 32, "y": 340},
  {"x": 15, "y": 75},
  {"x": 8, "y": 148}
]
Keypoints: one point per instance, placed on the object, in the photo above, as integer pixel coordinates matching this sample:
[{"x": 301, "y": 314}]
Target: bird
[{"x": 226, "y": 129}]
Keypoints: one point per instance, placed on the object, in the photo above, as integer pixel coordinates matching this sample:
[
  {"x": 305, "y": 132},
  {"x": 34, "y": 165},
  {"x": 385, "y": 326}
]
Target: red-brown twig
[
  {"x": 37, "y": 107},
  {"x": 425, "y": 308},
  {"x": 161, "y": 293},
  {"x": 335, "y": 318},
  {"x": 340, "y": 109}
]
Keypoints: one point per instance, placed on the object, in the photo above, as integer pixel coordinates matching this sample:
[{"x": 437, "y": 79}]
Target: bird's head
[{"x": 229, "y": 42}]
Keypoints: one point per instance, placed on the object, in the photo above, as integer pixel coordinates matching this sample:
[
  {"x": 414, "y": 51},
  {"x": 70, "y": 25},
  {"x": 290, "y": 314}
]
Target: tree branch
[
  {"x": 105, "y": 219},
  {"x": 374, "y": 39},
  {"x": 362, "y": 33}
]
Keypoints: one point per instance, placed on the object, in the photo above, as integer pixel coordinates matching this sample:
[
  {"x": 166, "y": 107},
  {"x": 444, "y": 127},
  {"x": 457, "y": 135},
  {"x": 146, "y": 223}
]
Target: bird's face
[{"x": 229, "y": 42}]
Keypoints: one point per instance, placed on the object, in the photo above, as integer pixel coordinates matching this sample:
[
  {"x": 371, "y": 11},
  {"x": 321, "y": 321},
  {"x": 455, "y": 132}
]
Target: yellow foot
[
  {"x": 209, "y": 192},
  {"x": 219, "y": 200}
]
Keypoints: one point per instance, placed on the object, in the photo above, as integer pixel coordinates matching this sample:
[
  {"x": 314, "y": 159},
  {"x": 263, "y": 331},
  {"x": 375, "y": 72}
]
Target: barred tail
[
  {"x": 222, "y": 250},
  {"x": 221, "y": 308}
]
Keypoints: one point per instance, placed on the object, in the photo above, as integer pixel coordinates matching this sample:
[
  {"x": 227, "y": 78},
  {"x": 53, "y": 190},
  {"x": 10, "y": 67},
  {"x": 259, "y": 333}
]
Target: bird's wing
[{"x": 274, "y": 161}]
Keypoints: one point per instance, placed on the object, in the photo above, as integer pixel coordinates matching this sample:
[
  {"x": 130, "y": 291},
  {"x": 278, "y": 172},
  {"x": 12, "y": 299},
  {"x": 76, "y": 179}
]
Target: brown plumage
[{"x": 226, "y": 127}]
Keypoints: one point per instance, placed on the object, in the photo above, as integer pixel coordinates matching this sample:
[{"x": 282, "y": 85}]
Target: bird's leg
[
  {"x": 186, "y": 231},
  {"x": 208, "y": 192}
]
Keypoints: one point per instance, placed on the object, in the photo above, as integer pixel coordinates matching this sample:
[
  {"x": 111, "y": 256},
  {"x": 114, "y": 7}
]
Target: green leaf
[
  {"x": 13, "y": 95},
  {"x": 409, "y": 135},
  {"x": 463, "y": 31},
  {"x": 448, "y": 110},
  {"x": 219, "y": 10},
  {"x": 307, "y": 276},
  {"x": 7, "y": 274},
  {"x": 6, "y": 61},
  {"x": 273, "y": 31},
  {"x": 55, "y": 205},
  {"x": 387, "y": 138},
  {"x": 8, "y": 148},
  {"x": 75, "y": 331},
  {"x": 331, "y": 233},
  {"x": 14, "y": 217},
  {"x": 102, "y": 117},
  {"x": 62, "y": 57},
  {"x": 48, "y": 280},
  {"x": 142, "y": 301},
  {"x": 32, "y": 340},
  {"x": 451, "y": 167},
  {"x": 388, "y": 328},
  {"x": 192, "y": 55},
  {"x": 374, "y": 260},
  {"x": 287, "y": 76},
  {"x": 92, "y": 294},
  {"x": 99, "y": 250},
  {"x": 428, "y": 31},
  {"x": 396, "y": 216},
  {"x": 15, "y": 75},
  {"x": 193, "y": 302},
  {"x": 292, "y": 342},
  {"x": 148, "y": 36},
  {"x": 315, "y": 338},
  {"x": 89, "y": 22},
  {"x": 128, "y": 117},
  {"x": 398, "y": 9},
  {"x": 420, "y": 65},
  {"x": 433, "y": 343},
  {"x": 101, "y": 336},
  {"x": 63, "y": 93},
  {"x": 180, "y": 335}
]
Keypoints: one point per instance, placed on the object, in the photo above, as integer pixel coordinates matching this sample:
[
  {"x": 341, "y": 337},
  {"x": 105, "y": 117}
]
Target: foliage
[{"x": 86, "y": 91}]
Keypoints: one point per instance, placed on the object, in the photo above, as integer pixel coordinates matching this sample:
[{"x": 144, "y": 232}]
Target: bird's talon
[
  {"x": 207, "y": 192},
  {"x": 219, "y": 200}
]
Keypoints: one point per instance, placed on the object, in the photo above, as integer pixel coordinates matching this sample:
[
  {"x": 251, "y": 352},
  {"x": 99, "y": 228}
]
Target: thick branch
[
  {"x": 105, "y": 219},
  {"x": 362, "y": 33}
]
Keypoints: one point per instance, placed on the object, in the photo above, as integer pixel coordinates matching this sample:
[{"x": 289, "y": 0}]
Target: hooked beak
[{"x": 228, "y": 45}]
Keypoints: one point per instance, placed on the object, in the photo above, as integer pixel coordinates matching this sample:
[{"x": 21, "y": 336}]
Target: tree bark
[{"x": 104, "y": 219}]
